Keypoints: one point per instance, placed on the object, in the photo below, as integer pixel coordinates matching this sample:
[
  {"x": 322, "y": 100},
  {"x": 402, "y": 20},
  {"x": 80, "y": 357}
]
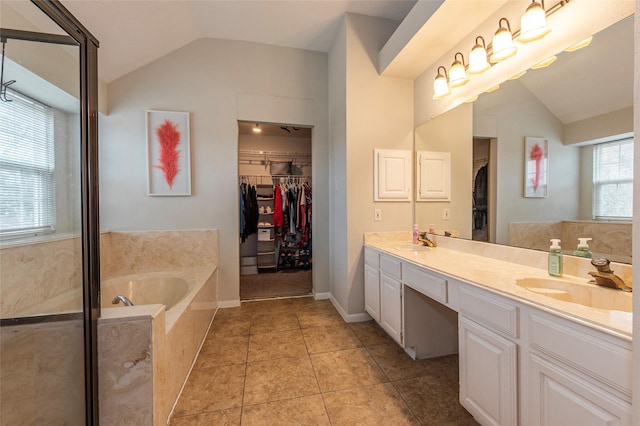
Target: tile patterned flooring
[{"x": 295, "y": 362}]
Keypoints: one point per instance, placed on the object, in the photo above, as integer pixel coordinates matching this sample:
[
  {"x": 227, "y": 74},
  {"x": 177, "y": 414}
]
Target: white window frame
[
  {"x": 599, "y": 181},
  {"x": 27, "y": 150}
]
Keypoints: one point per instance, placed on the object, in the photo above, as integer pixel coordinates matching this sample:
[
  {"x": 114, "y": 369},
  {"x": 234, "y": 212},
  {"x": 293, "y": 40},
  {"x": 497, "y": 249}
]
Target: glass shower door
[{"x": 42, "y": 328}]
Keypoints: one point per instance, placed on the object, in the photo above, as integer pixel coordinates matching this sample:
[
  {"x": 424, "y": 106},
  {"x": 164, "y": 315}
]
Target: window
[
  {"x": 27, "y": 190},
  {"x": 613, "y": 180}
]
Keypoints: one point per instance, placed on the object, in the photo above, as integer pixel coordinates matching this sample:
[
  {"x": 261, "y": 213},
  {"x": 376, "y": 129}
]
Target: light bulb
[
  {"x": 533, "y": 25},
  {"x": 503, "y": 47}
]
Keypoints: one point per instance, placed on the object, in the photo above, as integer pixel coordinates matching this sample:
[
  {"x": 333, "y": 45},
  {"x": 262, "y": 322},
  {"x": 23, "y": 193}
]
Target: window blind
[
  {"x": 27, "y": 163},
  {"x": 613, "y": 180}
]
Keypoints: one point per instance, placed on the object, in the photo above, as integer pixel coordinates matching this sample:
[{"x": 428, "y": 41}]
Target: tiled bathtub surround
[
  {"x": 41, "y": 277},
  {"x": 609, "y": 239},
  {"x": 145, "y": 352},
  {"x": 41, "y": 364}
]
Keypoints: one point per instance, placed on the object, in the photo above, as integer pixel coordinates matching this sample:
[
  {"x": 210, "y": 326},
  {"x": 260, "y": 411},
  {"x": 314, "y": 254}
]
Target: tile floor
[{"x": 295, "y": 362}]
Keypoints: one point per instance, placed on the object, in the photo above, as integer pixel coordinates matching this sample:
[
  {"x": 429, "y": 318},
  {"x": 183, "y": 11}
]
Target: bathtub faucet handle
[{"x": 124, "y": 299}]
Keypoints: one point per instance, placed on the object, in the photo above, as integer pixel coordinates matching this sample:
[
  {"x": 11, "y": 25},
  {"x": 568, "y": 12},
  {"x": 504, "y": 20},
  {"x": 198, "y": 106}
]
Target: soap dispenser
[
  {"x": 555, "y": 258},
  {"x": 583, "y": 248}
]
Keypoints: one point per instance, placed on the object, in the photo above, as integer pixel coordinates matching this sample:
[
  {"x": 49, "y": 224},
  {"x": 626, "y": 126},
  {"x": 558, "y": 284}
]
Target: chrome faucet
[
  {"x": 604, "y": 276},
  {"x": 425, "y": 240},
  {"x": 124, "y": 299}
]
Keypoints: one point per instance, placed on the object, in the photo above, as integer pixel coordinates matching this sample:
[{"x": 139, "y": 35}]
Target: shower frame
[{"x": 88, "y": 73}]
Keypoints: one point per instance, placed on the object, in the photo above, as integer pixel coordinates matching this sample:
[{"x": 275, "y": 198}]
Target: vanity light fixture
[
  {"x": 533, "y": 24},
  {"x": 440, "y": 84},
  {"x": 517, "y": 76},
  {"x": 478, "y": 62},
  {"x": 544, "y": 63},
  {"x": 471, "y": 100},
  {"x": 579, "y": 45},
  {"x": 503, "y": 46},
  {"x": 492, "y": 89},
  {"x": 457, "y": 72},
  {"x": 257, "y": 129}
]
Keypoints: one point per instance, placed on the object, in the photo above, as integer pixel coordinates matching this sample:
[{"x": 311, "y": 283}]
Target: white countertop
[{"x": 500, "y": 277}]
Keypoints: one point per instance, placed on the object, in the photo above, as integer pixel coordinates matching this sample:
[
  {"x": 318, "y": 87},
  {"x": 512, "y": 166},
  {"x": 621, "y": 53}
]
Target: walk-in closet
[{"x": 275, "y": 196}]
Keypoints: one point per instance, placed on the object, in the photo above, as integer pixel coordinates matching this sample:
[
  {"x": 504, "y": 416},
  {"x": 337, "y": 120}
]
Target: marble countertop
[{"x": 499, "y": 276}]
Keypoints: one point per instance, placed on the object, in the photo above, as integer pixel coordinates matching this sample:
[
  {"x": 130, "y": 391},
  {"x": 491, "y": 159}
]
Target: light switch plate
[{"x": 377, "y": 215}]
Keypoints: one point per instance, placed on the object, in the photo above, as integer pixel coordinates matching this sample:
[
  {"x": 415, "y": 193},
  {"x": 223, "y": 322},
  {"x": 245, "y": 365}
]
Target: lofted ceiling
[
  {"x": 595, "y": 80},
  {"x": 134, "y": 33}
]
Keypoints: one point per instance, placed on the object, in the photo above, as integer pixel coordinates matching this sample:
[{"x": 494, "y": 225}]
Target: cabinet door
[
  {"x": 488, "y": 374},
  {"x": 372, "y": 291},
  {"x": 391, "y": 306},
  {"x": 392, "y": 175},
  {"x": 561, "y": 397}
]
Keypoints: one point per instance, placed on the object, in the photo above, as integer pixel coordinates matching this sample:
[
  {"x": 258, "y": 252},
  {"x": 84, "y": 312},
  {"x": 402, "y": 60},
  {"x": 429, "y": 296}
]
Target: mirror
[{"x": 584, "y": 97}]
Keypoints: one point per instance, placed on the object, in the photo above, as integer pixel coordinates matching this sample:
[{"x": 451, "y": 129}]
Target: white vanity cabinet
[
  {"x": 577, "y": 375},
  {"x": 383, "y": 291},
  {"x": 488, "y": 357},
  {"x": 372, "y": 283},
  {"x": 520, "y": 363},
  {"x": 391, "y": 296}
]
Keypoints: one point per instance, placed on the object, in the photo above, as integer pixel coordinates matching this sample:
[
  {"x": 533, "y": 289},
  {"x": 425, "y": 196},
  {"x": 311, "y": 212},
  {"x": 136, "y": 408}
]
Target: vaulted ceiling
[{"x": 134, "y": 33}]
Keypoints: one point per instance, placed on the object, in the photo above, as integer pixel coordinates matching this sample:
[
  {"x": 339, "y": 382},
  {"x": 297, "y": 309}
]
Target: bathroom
[{"x": 304, "y": 87}]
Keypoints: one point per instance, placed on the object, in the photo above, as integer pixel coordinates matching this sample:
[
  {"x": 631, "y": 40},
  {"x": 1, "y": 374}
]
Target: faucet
[
  {"x": 124, "y": 299},
  {"x": 604, "y": 276},
  {"x": 425, "y": 240}
]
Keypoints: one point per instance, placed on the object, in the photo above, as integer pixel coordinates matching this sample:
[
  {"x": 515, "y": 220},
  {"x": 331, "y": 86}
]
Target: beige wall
[
  {"x": 515, "y": 114},
  {"x": 450, "y": 132},
  {"x": 377, "y": 113},
  {"x": 218, "y": 82}
]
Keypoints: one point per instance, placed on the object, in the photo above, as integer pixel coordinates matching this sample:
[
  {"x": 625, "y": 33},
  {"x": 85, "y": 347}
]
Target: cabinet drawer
[
  {"x": 371, "y": 257},
  {"x": 584, "y": 350},
  {"x": 427, "y": 284},
  {"x": 489, "y": 310},
  {"x": 391, "y": 266}
]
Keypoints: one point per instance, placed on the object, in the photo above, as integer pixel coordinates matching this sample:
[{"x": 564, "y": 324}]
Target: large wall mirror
[{"x": 568, "y": 110}]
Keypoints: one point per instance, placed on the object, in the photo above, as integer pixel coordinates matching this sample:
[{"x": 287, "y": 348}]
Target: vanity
[{"x": 528, "y": 355}]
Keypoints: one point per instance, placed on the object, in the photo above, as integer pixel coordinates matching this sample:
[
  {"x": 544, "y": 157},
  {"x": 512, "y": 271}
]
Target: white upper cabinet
[
  {"x": 392, "y": 175},
  {"x": 434, "y": 176}
]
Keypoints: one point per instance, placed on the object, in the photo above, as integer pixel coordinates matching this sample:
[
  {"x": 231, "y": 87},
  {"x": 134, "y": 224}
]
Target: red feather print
[
  {"x": 536, "y": 155},
  {"x": 168, "y": 138}
]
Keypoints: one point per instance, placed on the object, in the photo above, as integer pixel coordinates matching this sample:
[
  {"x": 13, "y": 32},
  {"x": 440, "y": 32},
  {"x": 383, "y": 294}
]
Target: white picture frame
[{"x": 168, "y": 153}]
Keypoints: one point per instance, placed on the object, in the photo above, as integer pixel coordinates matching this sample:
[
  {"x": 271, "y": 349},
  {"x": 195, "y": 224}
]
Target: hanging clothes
[
  {"x": 251, "y": 213},
  {"x": 242, "y": 214},
  {"x": 277, "y": 206}
]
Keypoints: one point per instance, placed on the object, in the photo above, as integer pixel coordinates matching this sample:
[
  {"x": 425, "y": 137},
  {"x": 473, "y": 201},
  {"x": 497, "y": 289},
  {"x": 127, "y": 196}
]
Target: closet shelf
[
  {"x": 260, "y": 253},
  {"x": 266, "y": 266},
  {"x": 265, "y": 226},
  {"x": 266, "y": 213},
  {"x": 264, "y": 199}
]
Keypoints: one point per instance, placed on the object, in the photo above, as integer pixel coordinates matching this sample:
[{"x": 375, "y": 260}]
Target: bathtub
[{"x": 152, "y": 344}]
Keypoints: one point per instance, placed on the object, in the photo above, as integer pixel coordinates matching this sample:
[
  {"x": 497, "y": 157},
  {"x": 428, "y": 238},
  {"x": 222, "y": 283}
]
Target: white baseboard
[
  {"x": 322, "y": 296},
  {"x": 228, "y": 303},
  {"x": 361, "y": 317}
]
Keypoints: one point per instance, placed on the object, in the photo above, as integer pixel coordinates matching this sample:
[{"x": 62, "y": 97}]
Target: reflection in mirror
[{"x": 576, "y": 104}]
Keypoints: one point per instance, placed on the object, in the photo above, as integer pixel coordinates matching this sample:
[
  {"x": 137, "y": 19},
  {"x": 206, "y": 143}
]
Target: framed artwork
[
  {"x": 536, "y": 167},
  {"x": 168, "y": 153}
]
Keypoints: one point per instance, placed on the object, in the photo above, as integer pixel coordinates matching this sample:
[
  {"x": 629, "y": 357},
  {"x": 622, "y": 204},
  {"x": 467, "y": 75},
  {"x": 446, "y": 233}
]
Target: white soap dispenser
[
  {"x": 555, "y": 258},
  {"x": 583, "y": 248}
]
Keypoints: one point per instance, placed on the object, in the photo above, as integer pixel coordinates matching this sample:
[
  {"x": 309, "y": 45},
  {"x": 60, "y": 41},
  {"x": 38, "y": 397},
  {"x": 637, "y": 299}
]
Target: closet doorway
[
  {"x": 480, "y": 202},
  {"x": 276, "y": 210}
]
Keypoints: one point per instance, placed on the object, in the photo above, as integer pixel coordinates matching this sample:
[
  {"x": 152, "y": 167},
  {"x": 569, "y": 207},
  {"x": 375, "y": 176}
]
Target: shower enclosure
[{"x": 49, "y": 239}]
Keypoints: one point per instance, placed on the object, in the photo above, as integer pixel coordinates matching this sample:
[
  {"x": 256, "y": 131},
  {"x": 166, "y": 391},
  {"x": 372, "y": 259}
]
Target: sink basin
[
  {"x": 582, "y": 293},
  {"x": 412, "y": 247}
]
